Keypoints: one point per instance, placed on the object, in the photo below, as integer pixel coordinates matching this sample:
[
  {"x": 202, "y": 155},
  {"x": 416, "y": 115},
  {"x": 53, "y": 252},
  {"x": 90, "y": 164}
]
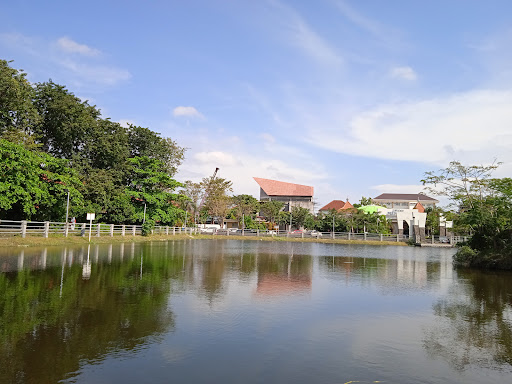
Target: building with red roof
[{"x": 293, "y": 195}]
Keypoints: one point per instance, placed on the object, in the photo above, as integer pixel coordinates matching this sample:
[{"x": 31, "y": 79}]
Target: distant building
[
  {"x": 293, "y": 195},
  {"x": 337, "y": 205},
  {"x": 404, "y": 200}
]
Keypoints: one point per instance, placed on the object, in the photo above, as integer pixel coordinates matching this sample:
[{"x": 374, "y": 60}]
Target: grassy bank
[{"x": 75, "y": 240}]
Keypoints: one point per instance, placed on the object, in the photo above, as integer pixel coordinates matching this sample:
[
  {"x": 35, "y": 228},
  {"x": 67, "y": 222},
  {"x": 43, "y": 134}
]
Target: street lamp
[{"x": 144, "y": 219}]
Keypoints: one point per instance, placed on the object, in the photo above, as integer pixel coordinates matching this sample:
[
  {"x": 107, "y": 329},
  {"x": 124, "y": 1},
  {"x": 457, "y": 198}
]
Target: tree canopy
[{"x": 52, "y": 142}]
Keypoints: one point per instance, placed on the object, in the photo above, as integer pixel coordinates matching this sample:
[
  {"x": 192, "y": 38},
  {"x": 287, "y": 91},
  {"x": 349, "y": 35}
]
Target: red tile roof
[
  {"x": 335, "y": 204},
  {"x": 281, "y": 188},
  {"x": 419, "y": 207},
  {"x": 405, "y": 197},
  {"x": 347, "y": 205}
]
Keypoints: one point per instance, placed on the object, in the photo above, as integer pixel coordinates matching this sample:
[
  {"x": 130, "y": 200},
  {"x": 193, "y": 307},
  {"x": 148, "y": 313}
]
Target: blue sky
[{"x": 354, "y": 98}]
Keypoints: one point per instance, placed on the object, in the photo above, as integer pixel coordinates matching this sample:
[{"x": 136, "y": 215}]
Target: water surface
[{"x": 204, "y": 311}]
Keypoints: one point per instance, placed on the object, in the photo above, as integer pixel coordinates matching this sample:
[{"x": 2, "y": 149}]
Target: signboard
[{"x": 91, "y": 216}]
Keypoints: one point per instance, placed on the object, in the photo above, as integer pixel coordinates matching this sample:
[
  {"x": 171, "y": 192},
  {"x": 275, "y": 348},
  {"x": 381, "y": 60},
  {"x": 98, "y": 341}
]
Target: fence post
[
  {"x": 173, "y": 231},
  {"x": 258, "y": 232},
  {"x": 134, "y": 228},
  {"x": 302, "y": 235},
  {"x": 167, "y": 230},
  {"x": 332, "y": 235},
  {"x": 82, "y": 230},
  {"x": 46, "y": 228},
  {"x": 349, "y": 235},
  {"x": 381, "y": 237},
  {"x": 365, "y": 236},
  {"x": 23, "y": 228},
  {"x": 66, "y": 229},
  {"x": 111, "y": 230},
  {"x": 123, "y": 230},
  {"x": 397, "y": 237},
  {"x": 432, "y": 238},
  {"x": 98, "y": 229}
]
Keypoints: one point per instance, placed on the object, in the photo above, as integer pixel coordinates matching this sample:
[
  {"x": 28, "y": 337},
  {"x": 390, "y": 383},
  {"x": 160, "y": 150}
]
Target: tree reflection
[
  {"x": 476, "y": 322},
  {"x": 52, "y": 321}
]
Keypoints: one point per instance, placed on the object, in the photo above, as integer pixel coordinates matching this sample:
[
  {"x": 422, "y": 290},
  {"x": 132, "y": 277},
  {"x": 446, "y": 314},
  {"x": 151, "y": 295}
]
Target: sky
[{"x": 354, "y": 98}]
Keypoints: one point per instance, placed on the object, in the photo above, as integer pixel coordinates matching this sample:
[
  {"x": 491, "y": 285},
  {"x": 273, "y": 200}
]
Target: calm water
[{"x": 224, "y": 311}]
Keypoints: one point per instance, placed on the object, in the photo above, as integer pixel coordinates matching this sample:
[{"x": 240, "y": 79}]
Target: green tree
[
  {"x": 363, "y": 202},
  {"x": 34, "y": 185},
  {"x": 485, "y": 207},
  {"x": 245, "y": 205},
  {"x": 151, "y": 187},
  {"x": 17, "y": 113},
  {"x": 217, "y": 200},
  {"x": 271, "y": 210},
  {"x": 300, "y": 215}
]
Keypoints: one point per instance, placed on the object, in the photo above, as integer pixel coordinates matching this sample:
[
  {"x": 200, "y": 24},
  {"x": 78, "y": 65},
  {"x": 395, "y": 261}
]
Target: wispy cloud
[
  {"x": 71, "y": 46},
  {"x": 187, "y": 112},
  {"x": 472, "y": 126},
  {"x": 68, "y": 59},
  {"x": 403, "y": 73},
  {"x": 301, "y": 35}
]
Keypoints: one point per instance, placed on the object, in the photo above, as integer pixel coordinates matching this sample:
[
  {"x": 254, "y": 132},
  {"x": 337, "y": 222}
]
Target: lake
[{"x": 229, "y": 311}]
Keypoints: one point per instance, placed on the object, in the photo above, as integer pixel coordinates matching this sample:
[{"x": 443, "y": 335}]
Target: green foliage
[
  {"x": 217, "y": 200},
  {"x": 245, "y": 205},
  {"x": 363, "y": 202},
  {"x": 325, "y": 222},
  {"x": 485, "y": 209},
  {"x": 151, "y": 186},
  {"x": 109, "y": 169},
  {"x": 34, "y": 185},
  {"x": 147, "y": 227},
  {"x": 271, "y": 210},
  {"x": 300, "y": 216},
  {"x": 17, "y": 113}
]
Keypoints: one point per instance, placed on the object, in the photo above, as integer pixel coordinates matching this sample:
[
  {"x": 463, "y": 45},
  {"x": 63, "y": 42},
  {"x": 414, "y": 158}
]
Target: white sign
[{"x": 91, "y": 216}]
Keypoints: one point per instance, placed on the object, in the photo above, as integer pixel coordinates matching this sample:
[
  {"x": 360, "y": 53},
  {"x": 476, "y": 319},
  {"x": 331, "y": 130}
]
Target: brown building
[{"x": 293, "y": 195}]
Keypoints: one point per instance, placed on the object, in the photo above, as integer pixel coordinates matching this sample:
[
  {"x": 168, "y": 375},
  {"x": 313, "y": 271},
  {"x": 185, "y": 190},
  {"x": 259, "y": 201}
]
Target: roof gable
[
  {"x": 281, "y": 188},
  {"x": 335, "y": 204}
]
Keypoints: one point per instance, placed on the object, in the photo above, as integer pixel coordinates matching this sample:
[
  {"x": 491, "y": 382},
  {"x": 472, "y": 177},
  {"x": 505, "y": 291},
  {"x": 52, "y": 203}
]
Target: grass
[{"x": 61, "y": 240}]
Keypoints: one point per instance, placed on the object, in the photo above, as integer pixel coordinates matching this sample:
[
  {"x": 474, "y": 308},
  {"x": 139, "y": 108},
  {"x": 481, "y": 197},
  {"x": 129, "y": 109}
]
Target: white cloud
[
  {"x": 474, "y": 126},
  {"x": 70, "y": 46},
  {"x": 215, "y": 157},
  {"x": 186, "y": 112},
  {"x": 404, "y": 73}
]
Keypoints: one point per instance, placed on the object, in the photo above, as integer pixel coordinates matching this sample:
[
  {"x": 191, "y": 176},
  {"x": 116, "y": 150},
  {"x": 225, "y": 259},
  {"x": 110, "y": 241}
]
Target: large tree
[
  {"x": 485, "y": 207},
  {"x": 17, "y": 112},
  {"x": 34, "y": 185}
]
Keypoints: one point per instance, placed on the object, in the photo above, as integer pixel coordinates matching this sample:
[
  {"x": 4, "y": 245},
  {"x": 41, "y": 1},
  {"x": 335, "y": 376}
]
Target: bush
[
  {"x": 465, "y": 257},
  {"x": 147, "y": 227}
]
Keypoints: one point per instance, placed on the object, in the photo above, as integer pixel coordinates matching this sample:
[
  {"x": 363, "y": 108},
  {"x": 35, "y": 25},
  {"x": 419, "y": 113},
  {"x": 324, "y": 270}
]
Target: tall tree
[
  {"x": 245, "y": 205},
  {"x": 217, "y": 199},
  {"x": 17, "y": 113},
  {"x": 271, "y": 209}
]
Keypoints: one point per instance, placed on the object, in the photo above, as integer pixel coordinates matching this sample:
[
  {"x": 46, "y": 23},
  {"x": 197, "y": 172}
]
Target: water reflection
[
  {"x": 298, "y": 312},
  {"x": 54, "y": 318},
  {"x": 475, "y": 322}
]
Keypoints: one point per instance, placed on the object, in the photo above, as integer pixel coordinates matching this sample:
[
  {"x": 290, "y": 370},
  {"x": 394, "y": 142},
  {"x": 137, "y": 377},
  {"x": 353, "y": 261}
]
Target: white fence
[{"x": 9, "y": 228}]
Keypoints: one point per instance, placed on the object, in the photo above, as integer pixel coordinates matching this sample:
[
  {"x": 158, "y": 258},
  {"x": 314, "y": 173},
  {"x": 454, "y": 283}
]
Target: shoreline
[{"x": 59, "y": 240}]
